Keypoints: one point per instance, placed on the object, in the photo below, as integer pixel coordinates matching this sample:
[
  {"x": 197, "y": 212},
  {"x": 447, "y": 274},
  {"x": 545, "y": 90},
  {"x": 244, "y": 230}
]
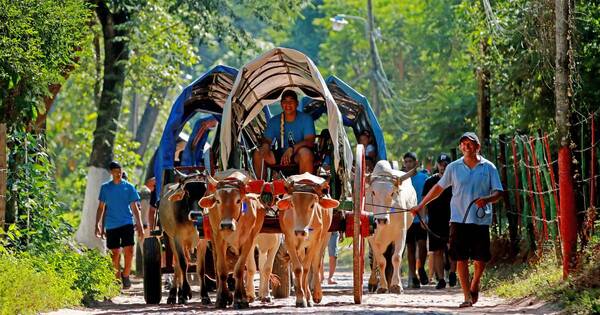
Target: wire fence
[{"x": 528, "y": 168}]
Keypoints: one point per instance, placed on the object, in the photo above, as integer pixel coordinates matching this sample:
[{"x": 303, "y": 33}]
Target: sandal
[
  {"x": 474, "y": 296},
  {"x": 465, "y": 304}
]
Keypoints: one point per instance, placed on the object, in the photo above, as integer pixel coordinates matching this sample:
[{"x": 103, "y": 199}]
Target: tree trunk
[
  {"x": 483, "y": 99},
  {"x": 116, "y": 54},
  {"x": 132, "y": 124},
  {"x": 562, "y": 88},
  {"x": 3, "y": 173},
  {"x": 149, "y": 117}
]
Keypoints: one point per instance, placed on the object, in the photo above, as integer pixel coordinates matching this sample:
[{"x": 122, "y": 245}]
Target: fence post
[
  {"x": 512, "y": 226},
  {"x": 540, "y": 189},
  {"x": 593, "y": 175},
  {"x": 527, "y": 216},
  {"x": 3, "y": 174}
]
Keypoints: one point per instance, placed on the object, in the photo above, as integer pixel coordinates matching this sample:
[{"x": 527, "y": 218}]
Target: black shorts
[
  {"x": 279, "y": 153},
  {"x": 120, "y": 237},
  {"x": 442, "y": 231},
  {"x": 415, "y": 233},
  {"x": 469, "y": 241}
]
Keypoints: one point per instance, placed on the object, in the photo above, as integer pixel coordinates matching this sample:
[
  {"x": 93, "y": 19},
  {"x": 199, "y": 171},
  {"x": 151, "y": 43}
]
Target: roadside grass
[{"x": 580, "y": 294}]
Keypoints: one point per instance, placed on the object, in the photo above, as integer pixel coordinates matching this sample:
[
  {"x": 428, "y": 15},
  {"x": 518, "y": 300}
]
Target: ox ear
[
  {"x": 284, "y": 203},
  {"x": 177, "y": 196},
  {"x": 328, "y": 203},
  {"x": 207, "y": 202}
]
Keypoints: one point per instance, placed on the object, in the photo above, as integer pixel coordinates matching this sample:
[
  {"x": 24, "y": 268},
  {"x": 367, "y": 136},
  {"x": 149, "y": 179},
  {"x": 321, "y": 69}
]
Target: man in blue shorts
[
  {"x": 475, "y": 186},
  {"x": 117, "y": 207},
  {"x": 294, "y": 134}
]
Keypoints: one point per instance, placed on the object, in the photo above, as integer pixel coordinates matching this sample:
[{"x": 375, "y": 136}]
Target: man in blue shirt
[
  {"x": 475, "y": 186},
  {"x": 416, "y": 236},
  {"x": 294, "y": 134},
  {"x": 118, "y": 204}
]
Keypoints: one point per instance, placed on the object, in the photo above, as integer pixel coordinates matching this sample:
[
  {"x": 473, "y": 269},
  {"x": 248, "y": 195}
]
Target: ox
[
  {"x": 177, "y": 202},
  {"x": 267, "y": 244},
  {"x": 236, "y": 218},
  {"x": 305, "y": 217},
  {"x": 389, "y": 194}
]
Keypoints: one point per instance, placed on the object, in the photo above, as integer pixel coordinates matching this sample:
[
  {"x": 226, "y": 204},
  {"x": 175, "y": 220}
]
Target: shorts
[
  {"x": 332, "y": 246},
  {"x": 415, "y": 233},
  {"x": 442, "y": 231},
  {"x": 120, "y": 237},
  {"x": 469, "y": 241},
  {"x": 279, "y": 153}
]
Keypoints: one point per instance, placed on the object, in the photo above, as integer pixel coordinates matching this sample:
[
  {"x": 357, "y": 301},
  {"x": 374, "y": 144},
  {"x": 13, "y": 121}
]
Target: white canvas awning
[{"x": 261, "y": 82}]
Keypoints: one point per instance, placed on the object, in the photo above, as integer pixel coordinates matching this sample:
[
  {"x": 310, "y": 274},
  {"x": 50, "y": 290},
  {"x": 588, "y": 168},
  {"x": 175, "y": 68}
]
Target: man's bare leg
[
  {"x": 305, "y": 160},
  {"x": 259, "y": 158},
  {"x": 332, "y": 263},
  {"x": 462, "y": 266},
  {"x": 128, "y": 253},
  {"x": 479, "y": 268},
  {"x": 115, "y": 254}
]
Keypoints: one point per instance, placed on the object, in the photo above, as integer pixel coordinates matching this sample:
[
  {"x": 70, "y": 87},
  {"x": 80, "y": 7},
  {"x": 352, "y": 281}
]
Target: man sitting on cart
[{"x": 292, "y": 134}]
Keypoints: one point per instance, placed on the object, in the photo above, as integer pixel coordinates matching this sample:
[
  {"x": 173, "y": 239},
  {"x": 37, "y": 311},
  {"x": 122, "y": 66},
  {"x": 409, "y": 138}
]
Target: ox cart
[{"x": 242, "y": 108}]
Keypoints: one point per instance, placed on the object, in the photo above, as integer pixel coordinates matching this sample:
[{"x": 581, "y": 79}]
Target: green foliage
[{"x": 38, "y": 43}]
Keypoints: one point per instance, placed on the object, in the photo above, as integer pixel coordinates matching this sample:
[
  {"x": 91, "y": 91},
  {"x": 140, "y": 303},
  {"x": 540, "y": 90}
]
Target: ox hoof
[
  {"x": 396, "y": 289},
  {"x": 205, "y": 300},
  {"x": 171, "y": 300},
  {"x": 317, "y": 300},
  {"x": 239, "y": 305},
  {"x": 221, "y": 303},
  {"x": 309, "y": 303},
  {"x": 182, "y": 300},
  {"x": 372, "y": 288},
  {"x": 382, "y": 290},
  {"x": 267, "y": 299},
  {"x": 301, "y": 303}
]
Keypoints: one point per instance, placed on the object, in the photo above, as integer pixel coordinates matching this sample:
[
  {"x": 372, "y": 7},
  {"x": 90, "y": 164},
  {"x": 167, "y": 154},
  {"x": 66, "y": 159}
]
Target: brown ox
[
  {"x": 235, "y": 219},
  {"x": 388, "y": 195},
  {"x": 174, "y": 209},
  {"x": 305, "y": 217},
  {"x": 267, "y": 244}
]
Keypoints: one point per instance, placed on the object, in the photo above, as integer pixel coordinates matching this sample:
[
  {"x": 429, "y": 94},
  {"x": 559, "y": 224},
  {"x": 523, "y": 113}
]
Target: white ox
[
  {"x": 389, "y": 195},
  {"x": 305, "y": 218}
]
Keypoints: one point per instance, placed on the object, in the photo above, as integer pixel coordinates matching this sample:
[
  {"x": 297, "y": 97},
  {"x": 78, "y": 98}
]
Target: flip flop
[
  {"x": 474, "y": 296},
  {"x": 331, "y": 281},
  {"x": 465, "y": 304}
]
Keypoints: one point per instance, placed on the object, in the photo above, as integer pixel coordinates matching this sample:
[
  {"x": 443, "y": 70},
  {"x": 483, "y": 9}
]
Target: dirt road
[{"x": 338, "y": 300}]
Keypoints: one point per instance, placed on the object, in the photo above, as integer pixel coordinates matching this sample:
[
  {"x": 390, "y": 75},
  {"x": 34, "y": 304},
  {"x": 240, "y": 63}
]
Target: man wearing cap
[
  {"x": 438, "y": 213},
  {"x": 416, "y": 236},
  {"x": 475, "y": 186},
  {"x": 294, "y": 134},
  {"x": 118, "y": 205}
]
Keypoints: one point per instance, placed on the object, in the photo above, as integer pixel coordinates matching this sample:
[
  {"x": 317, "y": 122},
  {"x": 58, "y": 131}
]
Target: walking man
[
  {"x": 117, "y": 208},
  {"x": 438, "y": 212},
  {"x": 475, "y": 186},
  {"x": 416, "y": 236}
]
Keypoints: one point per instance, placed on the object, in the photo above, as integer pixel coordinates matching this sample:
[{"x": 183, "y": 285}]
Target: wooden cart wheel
[
  {"x": 152, "y": 272},
  {"x": 358, "y": 243}
]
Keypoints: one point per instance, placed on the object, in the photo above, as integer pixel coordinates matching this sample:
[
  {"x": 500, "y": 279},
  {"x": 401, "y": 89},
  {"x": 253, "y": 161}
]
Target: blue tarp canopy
[
  {"x": 206, "y": 94},
  {"x": 193, "y": 154},
  {"x": 355, "y": 109}
]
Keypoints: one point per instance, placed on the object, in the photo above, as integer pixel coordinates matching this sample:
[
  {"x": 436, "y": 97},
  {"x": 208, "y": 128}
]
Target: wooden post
[
  {"x": 593, "y": 175},
  {"x": 3, "y": 173},
  {"x": 512, "y": 223},
  {"x": 540, "y": 189},
  {"x": 517, "y": 184}
]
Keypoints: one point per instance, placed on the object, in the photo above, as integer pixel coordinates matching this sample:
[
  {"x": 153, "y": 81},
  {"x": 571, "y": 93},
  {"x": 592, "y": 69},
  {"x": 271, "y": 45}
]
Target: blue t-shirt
[
  {"x": 302, "y": 127},
  {"x": 418, "y": 181},
  {"x": 469, "y": 184},
  {"x": 117, "y": 198}
]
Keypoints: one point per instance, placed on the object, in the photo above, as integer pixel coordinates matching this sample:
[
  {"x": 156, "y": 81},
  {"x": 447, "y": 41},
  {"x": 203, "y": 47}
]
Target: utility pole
[{"x": 374, "y": 60}]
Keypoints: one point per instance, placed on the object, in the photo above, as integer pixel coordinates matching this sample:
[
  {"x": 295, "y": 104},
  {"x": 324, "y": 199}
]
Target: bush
[{"x": 26, "y": 289}]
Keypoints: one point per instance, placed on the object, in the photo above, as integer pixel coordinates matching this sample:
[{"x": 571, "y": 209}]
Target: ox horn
[
  {"x": 181, "y": 175},
  {"x": 406, "y": 175},
  {"x": 211, "y": 183}
]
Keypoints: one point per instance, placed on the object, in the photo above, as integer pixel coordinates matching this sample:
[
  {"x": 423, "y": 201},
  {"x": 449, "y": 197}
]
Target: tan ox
[
  {"x": 235, "y": 219},
  {"x": 267, "y": 244},
  {"x": 389, "y": 194},
  {"x": 305, "y": 217}
]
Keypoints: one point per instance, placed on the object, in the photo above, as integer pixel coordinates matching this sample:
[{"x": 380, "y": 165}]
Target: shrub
[{"x": 26, "y": 287}]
